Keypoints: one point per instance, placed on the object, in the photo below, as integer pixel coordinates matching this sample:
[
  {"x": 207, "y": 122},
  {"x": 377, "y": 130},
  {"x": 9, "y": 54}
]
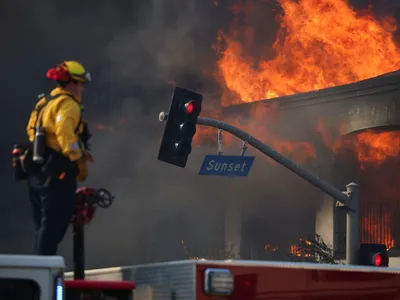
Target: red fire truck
[
  {"x": 42, "y": 278},
  {"x": 251, "y": 280}
]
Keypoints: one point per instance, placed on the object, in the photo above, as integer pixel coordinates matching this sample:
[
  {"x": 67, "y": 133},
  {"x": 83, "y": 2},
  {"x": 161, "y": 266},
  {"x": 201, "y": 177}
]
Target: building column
[
  {"x": 329, "y": 218},
  {"x": 326, "y": 224}
]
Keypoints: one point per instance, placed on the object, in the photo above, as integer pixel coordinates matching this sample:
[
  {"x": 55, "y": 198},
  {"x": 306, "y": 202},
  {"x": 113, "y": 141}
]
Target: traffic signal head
[
  {"x": 373, "y": 255},
  {"x": 180, "y": 128}
]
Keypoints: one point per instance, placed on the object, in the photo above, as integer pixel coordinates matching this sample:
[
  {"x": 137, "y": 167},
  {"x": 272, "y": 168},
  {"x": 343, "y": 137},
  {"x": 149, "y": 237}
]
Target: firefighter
[{"x": 58, "y": 155}]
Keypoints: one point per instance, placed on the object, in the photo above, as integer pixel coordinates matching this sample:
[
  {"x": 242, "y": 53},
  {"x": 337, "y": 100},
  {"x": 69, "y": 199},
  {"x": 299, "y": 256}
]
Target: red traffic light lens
[
  {"x": 378, "y": 260},
  {"x": 189, "y": 107}
]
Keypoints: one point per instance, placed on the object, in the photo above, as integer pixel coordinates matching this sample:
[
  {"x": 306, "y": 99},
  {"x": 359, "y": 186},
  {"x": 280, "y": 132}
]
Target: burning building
[
  {"x": 354, "y": 136},
  {"x": 332, "y": 90}
]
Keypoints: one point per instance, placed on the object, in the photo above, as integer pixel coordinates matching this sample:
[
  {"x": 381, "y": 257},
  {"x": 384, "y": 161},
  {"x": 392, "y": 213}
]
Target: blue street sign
[{"x": 220, "y": 165}]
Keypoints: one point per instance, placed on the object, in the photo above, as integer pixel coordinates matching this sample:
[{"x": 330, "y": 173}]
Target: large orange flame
[
  {"x": 372, "y": 147},
  {"x": 320, "y": 44}
]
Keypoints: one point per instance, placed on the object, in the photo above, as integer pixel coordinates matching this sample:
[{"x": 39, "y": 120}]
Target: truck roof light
[{"x": 218, "y": 282}]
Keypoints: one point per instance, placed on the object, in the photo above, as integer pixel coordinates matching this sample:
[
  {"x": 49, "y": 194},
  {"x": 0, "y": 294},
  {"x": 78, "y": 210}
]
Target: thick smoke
[{"x": 133, "y": 49}]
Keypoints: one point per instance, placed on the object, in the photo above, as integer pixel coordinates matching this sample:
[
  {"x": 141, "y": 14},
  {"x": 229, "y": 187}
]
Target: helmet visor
[{"x": 84, "y": 78}]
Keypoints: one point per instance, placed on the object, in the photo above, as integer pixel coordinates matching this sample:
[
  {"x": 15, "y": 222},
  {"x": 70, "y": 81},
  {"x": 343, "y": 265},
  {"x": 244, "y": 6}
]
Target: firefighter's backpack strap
[
  {"x": 39, "y": 109},
  {"x": 49, "y": 98},
  {"x": 80, "y": 115}
]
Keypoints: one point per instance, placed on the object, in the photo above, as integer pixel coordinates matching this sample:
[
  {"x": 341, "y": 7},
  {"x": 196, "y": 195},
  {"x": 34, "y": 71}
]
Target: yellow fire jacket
[{"x": 61, "y": 119}]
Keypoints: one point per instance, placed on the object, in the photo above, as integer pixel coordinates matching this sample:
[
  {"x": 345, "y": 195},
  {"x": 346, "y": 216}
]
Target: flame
[
  {"x": 330, "y": 136},
  {"x": 104, "y": 127},
  {"x": 261, "y": 116},
  {"x": 270, "y": 248},
  {"x": 374, "y": 148},
  {"x": 377, "y": 228},
  {"x": 101, "y": 126},
  {"x": 320, "y": 44},
  {"x": 296, "y": 251}
]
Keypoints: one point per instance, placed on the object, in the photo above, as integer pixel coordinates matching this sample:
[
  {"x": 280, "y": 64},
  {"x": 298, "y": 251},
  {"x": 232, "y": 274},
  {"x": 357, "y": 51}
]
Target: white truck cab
[{"x": 28, "y": 277}]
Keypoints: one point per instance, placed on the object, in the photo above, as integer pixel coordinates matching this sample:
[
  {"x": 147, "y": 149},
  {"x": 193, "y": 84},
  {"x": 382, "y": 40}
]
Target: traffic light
[
  {"x": 180, "y": 128},
  {"x": 373, "y": 255}
]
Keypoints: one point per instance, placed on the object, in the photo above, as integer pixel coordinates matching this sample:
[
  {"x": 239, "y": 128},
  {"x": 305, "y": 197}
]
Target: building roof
[{"x": 381, "y": 84}]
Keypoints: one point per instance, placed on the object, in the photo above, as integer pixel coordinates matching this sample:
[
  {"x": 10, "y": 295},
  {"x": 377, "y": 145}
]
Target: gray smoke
[{"x": 133, "y": 49}]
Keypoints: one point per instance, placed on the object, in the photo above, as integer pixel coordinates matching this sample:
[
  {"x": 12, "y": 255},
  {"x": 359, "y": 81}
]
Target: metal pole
[
  {"x": 349, "y": 199},
  {"x": 352, "y": 223},
  {"x": 279, "y": 158},
  {"x": 79, "y": 248}
]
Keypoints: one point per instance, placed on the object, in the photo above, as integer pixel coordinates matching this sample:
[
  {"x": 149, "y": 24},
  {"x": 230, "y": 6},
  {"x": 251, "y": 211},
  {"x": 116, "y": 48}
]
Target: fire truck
[
  {"x": 42, "y": 278},
  {"x": 251, "y": 280}
]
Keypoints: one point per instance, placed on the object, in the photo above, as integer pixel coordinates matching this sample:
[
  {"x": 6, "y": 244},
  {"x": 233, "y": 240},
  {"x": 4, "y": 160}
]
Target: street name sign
[{"x": 221, "y": 165}]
